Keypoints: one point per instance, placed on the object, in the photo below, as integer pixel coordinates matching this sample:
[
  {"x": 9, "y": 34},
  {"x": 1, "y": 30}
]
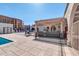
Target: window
[
  {"x": 77, "y": 14},
  {"x": 76, "y": 19},
  {"x": 77, "y": 8}
]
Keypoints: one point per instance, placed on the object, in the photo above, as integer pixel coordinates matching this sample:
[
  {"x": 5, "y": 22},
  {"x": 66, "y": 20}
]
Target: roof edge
[{"x": 66, "y": 8}]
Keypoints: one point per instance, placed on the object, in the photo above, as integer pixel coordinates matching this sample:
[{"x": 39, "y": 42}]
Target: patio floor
[{"x": 27, "y": 46}]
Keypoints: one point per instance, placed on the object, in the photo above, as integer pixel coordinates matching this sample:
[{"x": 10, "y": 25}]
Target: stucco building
[
  {"x": 72, "y": 17},
  {"x": 6, "y": 28},
  {"x": 53, "y": 25},
  {"x": 17, "y": 23}
]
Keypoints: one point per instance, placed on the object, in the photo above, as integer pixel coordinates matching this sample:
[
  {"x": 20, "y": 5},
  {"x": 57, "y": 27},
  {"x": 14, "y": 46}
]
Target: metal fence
[{"x": 49, "y": 34}]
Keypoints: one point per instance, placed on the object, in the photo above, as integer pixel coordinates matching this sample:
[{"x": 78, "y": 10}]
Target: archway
[{"x": 74, "y": 26}]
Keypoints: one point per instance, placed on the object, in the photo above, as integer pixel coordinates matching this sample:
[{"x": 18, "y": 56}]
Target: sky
[{"x": 31, "y": 12}]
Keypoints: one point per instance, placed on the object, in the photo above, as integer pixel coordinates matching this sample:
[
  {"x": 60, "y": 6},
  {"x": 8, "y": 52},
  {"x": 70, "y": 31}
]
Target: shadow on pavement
[{"x": 55, "y": 41}]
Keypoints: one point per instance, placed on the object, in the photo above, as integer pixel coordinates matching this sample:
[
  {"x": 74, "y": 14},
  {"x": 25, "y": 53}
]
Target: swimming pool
[{"x": 4, "y": 41}]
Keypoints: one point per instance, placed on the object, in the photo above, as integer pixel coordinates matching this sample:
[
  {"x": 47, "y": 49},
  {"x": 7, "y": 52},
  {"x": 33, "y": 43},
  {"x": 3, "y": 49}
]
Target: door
[
  {"x": 10, "y": 30},
  {"x": 3, "y": 30}
]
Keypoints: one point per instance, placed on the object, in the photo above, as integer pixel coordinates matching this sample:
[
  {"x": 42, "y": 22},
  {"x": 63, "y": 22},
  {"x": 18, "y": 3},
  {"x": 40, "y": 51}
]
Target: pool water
[{"x": 4, "y": 41}]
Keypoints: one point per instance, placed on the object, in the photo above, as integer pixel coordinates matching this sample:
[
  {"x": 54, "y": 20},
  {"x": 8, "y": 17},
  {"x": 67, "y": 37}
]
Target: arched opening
[
  {"x": 53, "y": 28},
  {"x": 75, "y": 26}
]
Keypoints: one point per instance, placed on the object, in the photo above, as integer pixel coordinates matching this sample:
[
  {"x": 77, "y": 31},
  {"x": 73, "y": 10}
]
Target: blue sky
[{"x": 32, "y": 11}]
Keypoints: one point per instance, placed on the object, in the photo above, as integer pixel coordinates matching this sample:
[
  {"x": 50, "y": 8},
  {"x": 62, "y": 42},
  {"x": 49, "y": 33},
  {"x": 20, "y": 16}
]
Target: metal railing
[{"x": 49, "y": 34}]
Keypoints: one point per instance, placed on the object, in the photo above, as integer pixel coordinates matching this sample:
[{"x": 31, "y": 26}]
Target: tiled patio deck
[{"x": 27, "y": 46}]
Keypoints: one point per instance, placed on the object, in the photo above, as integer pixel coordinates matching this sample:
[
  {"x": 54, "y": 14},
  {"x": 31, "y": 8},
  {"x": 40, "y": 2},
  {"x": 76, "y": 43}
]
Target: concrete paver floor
[{"x": 27, "y": 46}]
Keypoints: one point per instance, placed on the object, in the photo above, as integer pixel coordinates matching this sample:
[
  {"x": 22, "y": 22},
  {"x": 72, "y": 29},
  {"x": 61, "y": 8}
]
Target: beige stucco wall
[
  {"x": 72, "y": 27},
  {"x": 7, "y": 27},
  {"x": 67, "y": 16},
  {"x": 50, "y": 23}
]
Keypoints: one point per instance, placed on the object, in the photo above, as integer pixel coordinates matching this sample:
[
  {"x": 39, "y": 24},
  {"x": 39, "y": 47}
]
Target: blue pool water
[{"x": 4, "y": 41}]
